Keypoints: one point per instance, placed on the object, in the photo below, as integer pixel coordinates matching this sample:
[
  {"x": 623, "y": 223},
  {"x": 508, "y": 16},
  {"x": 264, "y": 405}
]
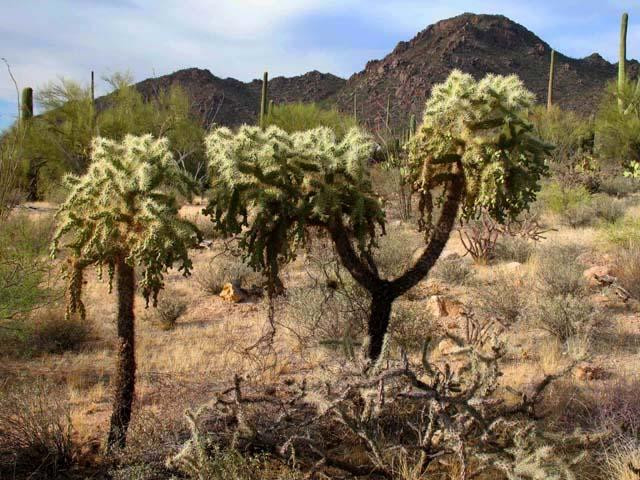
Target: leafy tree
[
  {"x": 618, "y": 131},
  {"x": 474, "y": 147},
  {"x": 299, "y": 117},
  {"x": 122, "y": 214},
  {"x": 60, "y": 138}
]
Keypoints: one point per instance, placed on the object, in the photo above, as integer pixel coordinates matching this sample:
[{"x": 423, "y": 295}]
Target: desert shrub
[
  {"x": 410, "y": 326},
  {"x": 558, "y": 271},
  {"x": 618, "y": 185},
  {"x": 35, "y": 432},
  {"x": 513, "y": 249},
  {"x": 607, "y": 209},
  {"x": 395, "y": 250},
  {"x": 622, "y": 461},
  {"x": 453, "y": 270},
  {"x": 45, "y": 330},
  {"x": 624, "y": 232},
  {"x": 24, "y": 270},
  {"x": 502, "y": 297},
  {"x": 51, "y": 331},
  {"x": 171, "y": 306},
  {"x": 298, "y": 117},
  {"x": 563, "y": 316},
  {"x": 627, "y": 268},
  {"x": 618, "y": 132},
  {"x": 572, "y": 204},
  {"x": 223, "y": 269}
]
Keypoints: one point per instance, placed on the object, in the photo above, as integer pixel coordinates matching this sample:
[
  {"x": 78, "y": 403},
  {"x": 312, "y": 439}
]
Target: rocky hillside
[
  {"x": 232, "y": 102},
  {"x": 477, "y": 44}
]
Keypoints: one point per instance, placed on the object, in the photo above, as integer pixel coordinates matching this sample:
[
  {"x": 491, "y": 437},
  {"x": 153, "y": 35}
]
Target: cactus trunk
[
  {"x": 551, "y": 79},
  {"x": 622, "y": 75},
  {"x": 412, "y": 126},
  {"x": 388, "y": 116},
  {"x": 355, "y": 107},
  {"x": 26, "y": 112},
  {"x": 264, "y": 101}
]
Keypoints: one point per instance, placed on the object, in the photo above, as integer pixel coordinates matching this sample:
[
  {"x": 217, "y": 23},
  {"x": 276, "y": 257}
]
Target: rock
[
  {"x": 441, "y": 306},
  {"x": 233, "y": 293},
  {"x": 594, "y": 275},
  {"x": 590, "y": 372},
  {"x": 511, "y": 266}
]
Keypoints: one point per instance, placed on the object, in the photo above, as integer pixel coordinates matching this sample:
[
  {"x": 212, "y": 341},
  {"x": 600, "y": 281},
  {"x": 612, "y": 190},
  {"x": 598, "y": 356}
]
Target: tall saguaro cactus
[
  {"x": 551, "y": 79},
  {"x": 26, "y": 109},
  {"x": 26, "y": 114},
  {"x": 622, "y": 74},
  {"x": 264, "y": 101},
  {"x": 412, "y": 125},
  {"x": 355, "y": 107}
]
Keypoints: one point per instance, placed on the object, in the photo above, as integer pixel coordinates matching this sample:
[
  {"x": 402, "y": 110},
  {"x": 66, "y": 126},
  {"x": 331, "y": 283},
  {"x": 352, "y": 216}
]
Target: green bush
[
  {"x": 563, "y": 316},
  {"x": 298, "y": 117},
  {"x": 618, "y": 132},
  {"x": 607, "y": 209},
  {"x": 223, "y": 269},
  {"x": 571, "y": 204},
  {"x": 44, "y": 331},
  {"x": 171, "y": 306},
  {"x": 558, "y": 272},
  {"x": 50, "y": 331},
  {"x": 618, "y": 185},
  {"x": 410, "y": 326},
  {"x": 627, "y": 268},
  {"x": 24, "y": 268},
  {"x": 453, "y": 270},
  {"x": 514, "y": 249},
  {"x": 395, "y": 250},
  {"x": 35, "y": 432},
  {"x": 501, "y": 298},
  {"x": 624, "y": 232}
]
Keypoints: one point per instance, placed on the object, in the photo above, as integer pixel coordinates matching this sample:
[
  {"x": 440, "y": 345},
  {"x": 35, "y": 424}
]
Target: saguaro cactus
[
  {"x": 388, "y": 116},
  {"x": 551, "y": 79},
  {"x": 264, "y": 99},
  {"x": 412, "y": 125},
  {"x": 622, "y": 74},
  {"x": 26, "y": 112},
  {"x": 355, "y": 107}
]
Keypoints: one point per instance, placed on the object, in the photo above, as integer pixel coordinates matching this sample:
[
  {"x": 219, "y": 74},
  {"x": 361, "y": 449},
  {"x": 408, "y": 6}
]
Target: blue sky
[{"x": 45, "y": 39}]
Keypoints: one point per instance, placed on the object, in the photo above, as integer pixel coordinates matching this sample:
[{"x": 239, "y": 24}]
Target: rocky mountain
[
  {"x": 232, "y": 102},
  {"x": 477, "y": 44}
]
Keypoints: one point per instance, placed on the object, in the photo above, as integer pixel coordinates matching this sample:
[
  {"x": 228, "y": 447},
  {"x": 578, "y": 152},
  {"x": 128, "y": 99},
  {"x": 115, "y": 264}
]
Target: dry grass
[{"x": 185, "y": 366}]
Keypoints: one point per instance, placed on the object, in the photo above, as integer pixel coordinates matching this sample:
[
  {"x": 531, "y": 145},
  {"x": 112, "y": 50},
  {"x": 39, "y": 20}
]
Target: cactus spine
[
  {"x": 552, "y": 70},
  {"x": 264, "y": 100},
  {"x": 622, "y": 75},
  {"x": 26, "y": 108}
]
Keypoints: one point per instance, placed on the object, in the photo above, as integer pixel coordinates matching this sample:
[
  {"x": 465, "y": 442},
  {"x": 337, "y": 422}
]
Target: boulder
[
  {"x": 594, "y": 275},
  {"x": 233, "y": 293}
]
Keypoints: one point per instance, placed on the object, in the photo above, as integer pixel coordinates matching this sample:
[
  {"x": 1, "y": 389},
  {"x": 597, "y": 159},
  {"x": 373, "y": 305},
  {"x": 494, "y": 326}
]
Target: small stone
[
  {"x": 587, "y": 373},
  {"x": 233, "y": 293},
  {"x": 593, "y": 274}
]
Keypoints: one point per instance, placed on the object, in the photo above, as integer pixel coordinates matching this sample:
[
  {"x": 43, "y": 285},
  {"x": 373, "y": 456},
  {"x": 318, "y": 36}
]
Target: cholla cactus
[
  {"x": 478, "y": 129},
  {"x": 473, "y": 142},
  {"x": 123, "y": 214},
  {"x": 289, "y": 182}
]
